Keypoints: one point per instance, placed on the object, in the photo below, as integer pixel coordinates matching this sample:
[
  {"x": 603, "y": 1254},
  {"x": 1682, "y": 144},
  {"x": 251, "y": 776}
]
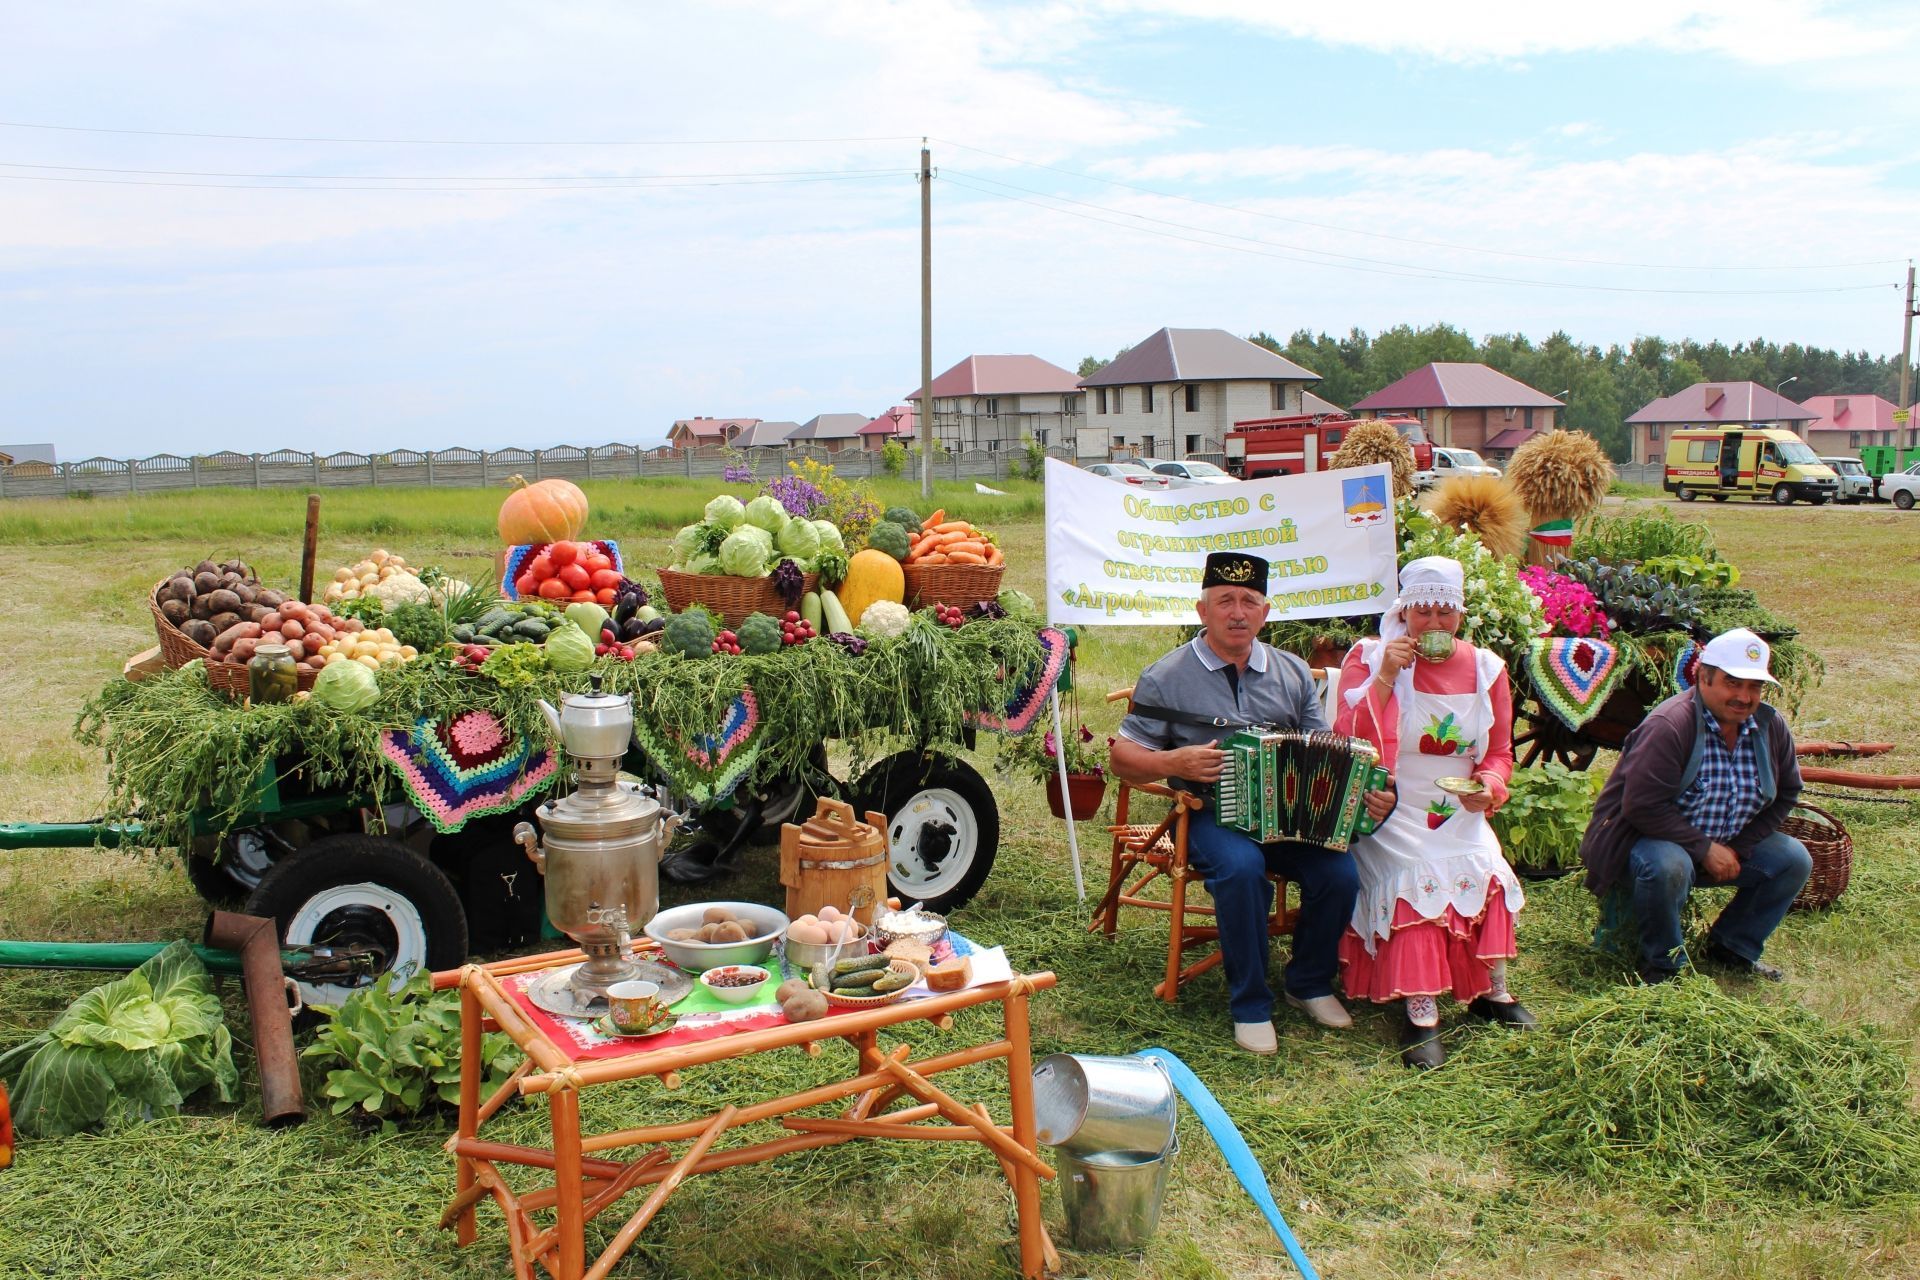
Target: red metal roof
[
  {"x": 1000, "y": 376},
  {"x": 885, "y": 425},
  {"x": 1197, "y": 355},
  {"x": 1457, "y": 386},
  {"x": 1512, "y": 438},
  {"x": 1851, "y": 413},
  {"x": 1705, "y": 402}
]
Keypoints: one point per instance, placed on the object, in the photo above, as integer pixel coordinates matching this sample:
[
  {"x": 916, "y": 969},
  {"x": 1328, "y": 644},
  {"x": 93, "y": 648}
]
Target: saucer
[
  {"x": 604, "y": 1025},
  {"x": 1460, "y": 786}
]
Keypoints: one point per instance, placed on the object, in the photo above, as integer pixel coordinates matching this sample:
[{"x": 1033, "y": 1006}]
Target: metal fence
[{"x": 287, "y": 468}]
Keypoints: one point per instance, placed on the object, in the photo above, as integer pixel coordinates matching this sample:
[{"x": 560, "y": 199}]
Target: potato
[
  {"x": 715, "y": 915},
  {"x": 683, "y": 935},
  {"x": 806, "y": 1006},
  {"x": 368, "y": 661},
  {"x": 730, "y": 931},
  {"x": 243, "y": 650},
  {"x": 298, "y": 648},
  {"x": 707, "y": 932},
  {"x": 789, "y": 989},
  {"x": 292, "y": 628}
]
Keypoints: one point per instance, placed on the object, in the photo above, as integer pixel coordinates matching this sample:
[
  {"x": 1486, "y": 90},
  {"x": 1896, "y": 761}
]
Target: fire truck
[{"x": 1303, "y": 442}]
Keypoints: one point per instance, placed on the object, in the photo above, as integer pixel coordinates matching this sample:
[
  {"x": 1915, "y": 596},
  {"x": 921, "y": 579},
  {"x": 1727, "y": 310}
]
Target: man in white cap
[{"x": 1698, "y": 796}]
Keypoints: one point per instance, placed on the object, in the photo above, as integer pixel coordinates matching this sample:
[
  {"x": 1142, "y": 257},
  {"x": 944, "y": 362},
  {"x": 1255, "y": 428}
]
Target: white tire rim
[
  {"x": 410, "y": 932},
  {"x": 932, "y": 807}
]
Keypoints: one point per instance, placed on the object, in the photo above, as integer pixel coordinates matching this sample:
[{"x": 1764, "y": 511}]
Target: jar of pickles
[{"x": 272, "y": 674}]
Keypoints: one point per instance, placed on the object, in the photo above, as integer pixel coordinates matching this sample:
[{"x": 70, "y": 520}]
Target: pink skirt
[{"x": 1424, "y": 957}]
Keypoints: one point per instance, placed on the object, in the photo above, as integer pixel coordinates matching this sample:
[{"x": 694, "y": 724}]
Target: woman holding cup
[{"x": 1437, "y": 899}]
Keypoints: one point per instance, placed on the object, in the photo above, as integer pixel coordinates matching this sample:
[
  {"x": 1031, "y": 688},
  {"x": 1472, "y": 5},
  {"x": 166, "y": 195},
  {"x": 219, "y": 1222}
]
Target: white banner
[{"x": 1123, "y": 555}]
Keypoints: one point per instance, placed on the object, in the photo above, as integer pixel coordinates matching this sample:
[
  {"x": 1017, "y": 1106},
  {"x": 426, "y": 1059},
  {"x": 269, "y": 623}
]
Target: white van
[{"x": 1855, "y": 484}]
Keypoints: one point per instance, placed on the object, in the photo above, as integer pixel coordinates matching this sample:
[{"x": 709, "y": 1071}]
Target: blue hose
[{"x": 1239, "y": 1156}]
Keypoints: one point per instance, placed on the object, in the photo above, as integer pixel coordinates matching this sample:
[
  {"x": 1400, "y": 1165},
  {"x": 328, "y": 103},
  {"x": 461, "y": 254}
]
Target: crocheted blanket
[
  {"x": 1025, "y": 707},
  {"x": 709, "y": 768},
  {"x": 1574, "y": 675},
  {"x": 464, "y": 767}
]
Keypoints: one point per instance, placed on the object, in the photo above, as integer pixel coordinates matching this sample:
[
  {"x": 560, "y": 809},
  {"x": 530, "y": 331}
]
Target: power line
[
  {"x": 1431, "y": 244},
  {"x": 458, "y": 142},
  {"x": 430, "y": 177},
  {"x": 1291, "y": 255},
  {"x": 591, "y": 186}
]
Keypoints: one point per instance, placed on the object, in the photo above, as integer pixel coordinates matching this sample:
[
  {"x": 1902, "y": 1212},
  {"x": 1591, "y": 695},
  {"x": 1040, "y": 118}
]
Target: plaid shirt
[{"x": 1725, "y": 794}]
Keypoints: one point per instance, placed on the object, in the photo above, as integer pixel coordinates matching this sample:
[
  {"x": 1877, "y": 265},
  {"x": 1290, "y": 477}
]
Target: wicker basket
[
  {"x": 955, "y": 584},
  {"x": 1831, "y": 848},
  {"x": 734, "y": 599},
  {"x": 176, "y": 648}
]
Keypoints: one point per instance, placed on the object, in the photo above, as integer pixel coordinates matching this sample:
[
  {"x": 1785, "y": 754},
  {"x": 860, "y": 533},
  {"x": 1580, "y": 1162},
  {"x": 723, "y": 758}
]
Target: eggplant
[
  {"x": 623, "y": 609},
  {"x": 630, "y": 630},
  {"x": 652, "y": 625}
]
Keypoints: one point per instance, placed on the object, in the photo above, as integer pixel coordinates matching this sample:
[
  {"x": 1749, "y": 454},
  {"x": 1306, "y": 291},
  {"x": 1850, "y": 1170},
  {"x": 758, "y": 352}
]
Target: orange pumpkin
[{"x": 550, "y": 511}]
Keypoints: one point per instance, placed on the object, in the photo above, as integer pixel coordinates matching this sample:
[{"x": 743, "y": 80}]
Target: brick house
[
  {"x": 1179, "y": 391},
  {"x": 898, "y": 423},
  {"x": 1709, "y": 404},
  {"x": 1467, "y": 406},
  {"x": 830, "y": 431},
  {"x": 698, "y": 432},
  {"x": 998, "y": 402},
  {"x": 1843, "y": 425}
]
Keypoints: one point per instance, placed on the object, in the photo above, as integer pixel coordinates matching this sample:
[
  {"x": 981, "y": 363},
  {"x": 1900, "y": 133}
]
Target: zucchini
[
  {"x": 835, "y": 613},
  {"x": 811, "y": 611}
]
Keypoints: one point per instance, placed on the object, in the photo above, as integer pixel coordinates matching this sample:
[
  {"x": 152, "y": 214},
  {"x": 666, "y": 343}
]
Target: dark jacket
[{"x": 1657, "y": 763}]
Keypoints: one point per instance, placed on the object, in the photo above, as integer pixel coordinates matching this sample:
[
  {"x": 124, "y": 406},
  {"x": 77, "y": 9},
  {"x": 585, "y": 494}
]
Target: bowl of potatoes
[{"x": 702, "y": 935}]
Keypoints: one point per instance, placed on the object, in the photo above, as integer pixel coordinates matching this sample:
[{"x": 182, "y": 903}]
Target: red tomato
[
  {"x": 540, "y": 567},
  {"x": 582, "y": 597},
  {"x": 603, "y": 578},
  {"x": 553, "y": 589},
  {"x": 527, "y": 585},
  {"x": 598, "y": 562},
  {"x": 605, "y": 597},
  {"x": 576, "y": 578},
  {"x": 563, "y": 553}
]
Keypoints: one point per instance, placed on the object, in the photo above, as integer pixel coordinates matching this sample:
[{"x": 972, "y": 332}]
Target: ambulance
[{"x": 1747, "y": 461}]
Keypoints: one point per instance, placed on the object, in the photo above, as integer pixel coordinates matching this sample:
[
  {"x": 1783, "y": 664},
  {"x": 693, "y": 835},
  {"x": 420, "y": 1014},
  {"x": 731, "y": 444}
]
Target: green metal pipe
[
  {"x": 68, "y": 835},
  {"x": 103, "y": 955}
]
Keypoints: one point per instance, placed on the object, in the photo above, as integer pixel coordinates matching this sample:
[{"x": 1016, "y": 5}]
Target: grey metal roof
[
  {"x": 829, "y": 426},
  {"x": 1198, "y": 355},
  {"x": 762, "y": 434}
]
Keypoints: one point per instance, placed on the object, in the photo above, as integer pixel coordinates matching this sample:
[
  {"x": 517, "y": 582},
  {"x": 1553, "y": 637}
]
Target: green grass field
[{"x": 1383, "y": 1174}]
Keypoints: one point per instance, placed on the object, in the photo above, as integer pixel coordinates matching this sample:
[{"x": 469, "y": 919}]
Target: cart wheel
[
  {"x": 225, "y": 869},
  {"x": 362, "y": 890},
  {"x": 943, "y": 827},
  {"x": 1538, "y": 734}
]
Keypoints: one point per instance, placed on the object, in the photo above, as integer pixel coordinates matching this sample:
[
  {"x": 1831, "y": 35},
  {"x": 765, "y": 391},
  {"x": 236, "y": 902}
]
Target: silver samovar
[{"x": 599, "y": 851}]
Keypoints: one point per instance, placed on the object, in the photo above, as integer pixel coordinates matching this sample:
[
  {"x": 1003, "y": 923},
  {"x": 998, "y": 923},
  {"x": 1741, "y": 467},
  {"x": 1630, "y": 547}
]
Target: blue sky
[{"x": 1693, "y": 168}]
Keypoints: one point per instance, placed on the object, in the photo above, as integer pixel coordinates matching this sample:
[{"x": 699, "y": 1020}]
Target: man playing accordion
[{"x": 1183, "y": 705}]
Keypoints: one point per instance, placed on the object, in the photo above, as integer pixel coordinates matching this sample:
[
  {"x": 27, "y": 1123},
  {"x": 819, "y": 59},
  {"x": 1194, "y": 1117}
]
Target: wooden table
[{"x": 586, "y": 1182}]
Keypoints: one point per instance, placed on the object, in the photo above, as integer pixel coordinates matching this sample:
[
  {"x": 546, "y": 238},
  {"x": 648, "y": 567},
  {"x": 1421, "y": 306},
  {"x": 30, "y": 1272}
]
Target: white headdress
[{"x": 1428, "y": 580}]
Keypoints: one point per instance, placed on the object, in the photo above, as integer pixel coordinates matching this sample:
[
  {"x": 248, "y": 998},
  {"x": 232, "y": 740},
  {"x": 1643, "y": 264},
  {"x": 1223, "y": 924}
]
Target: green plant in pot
[
  {"x": 1544, "y": 818},
  {"x": 1036, "y": 754}
]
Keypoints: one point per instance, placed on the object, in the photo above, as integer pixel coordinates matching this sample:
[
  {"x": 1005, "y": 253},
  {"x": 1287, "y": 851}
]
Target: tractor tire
[
  {"x": 943, "y": 827},
  {"x": 362, "y": 890}
]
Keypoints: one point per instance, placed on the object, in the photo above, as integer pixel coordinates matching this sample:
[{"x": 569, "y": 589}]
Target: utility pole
[
  {"x": 926, "y": 322},
  {"x": 1906, "y": 364}
]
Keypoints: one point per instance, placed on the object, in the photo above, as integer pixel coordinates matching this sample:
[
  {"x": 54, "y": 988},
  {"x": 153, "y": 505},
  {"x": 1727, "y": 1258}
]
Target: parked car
[
  {"x": 1129, "y": 473},
  {"x": 1902, "y": 487},
  {"x": 1855, "y": 484},
  {"x": 1186, "y": 475},
  {"x": 1453, "y": 462}
]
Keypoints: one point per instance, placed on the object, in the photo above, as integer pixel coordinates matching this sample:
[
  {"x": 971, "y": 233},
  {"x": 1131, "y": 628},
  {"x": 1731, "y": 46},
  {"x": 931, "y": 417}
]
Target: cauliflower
[
  {"x": 399, "y": 589},
  {"x": 885, "y": 618}
]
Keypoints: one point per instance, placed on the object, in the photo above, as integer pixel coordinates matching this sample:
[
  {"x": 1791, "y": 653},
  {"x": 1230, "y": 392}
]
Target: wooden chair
[{"x": 1145, "y": 853}]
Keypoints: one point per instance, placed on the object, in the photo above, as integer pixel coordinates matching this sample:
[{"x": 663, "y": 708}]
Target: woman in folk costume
[{"x": 1437, "y": 900}]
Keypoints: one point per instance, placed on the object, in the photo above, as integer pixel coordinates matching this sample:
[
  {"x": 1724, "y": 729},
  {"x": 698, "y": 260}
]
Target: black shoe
[
  {"x": 1715, "y": 956},
  {"x": 1654, "y": 977},
  {"x": 697, "y": 865},
  {"x": 1420, "y": 1046},
  {"x": 1510, "y": 1012}
]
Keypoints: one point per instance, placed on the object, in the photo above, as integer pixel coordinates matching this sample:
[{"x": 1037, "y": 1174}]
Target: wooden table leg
[
  {"x": 624, "y": 1238},
  {"x": 470, "y": 1068},
  {"x": 1026, "y": 1186},
  {"x": 563, "y": 1105}
]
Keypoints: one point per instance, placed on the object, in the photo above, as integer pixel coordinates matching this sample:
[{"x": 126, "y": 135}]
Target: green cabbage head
[{"x": 744, "y": 553}]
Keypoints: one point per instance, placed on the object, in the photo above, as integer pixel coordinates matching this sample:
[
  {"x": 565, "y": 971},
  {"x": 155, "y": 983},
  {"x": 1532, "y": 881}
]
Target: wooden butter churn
[{"x": 824, "y": 860}]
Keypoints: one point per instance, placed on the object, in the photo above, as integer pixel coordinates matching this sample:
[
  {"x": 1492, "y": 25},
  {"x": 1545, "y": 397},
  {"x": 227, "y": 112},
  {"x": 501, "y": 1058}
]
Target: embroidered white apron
[{"x": 1431, "y": 852}]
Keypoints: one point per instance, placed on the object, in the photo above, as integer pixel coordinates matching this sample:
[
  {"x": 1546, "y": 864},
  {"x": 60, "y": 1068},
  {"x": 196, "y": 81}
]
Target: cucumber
[
  {"x": 864, "y": 978},
  {"x": 835, "y": 614},
  {"x": 532, "y": 629},
  {"x": 492, "y": 620},
  {"x": 463, "y": 633},
  {"x": 892, "y": 980},
  {"x": 860, "y": 964},
  {"x": 811, "y": 611}
]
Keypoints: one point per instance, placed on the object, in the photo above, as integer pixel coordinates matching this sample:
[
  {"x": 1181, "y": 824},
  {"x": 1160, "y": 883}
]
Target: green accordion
[{"x": 1285, "y": 785}]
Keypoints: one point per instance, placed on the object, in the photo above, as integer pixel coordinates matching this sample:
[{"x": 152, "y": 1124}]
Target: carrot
[
  {"x": 918, "y": 546},
  {"x": 934, "y": 519},
  {"x": 966, "y": 557},
  {"x": 937, "y": 557},
  {"x": 954, "y": 526},
  {"x": 977, "y": 547},
  {"x": 948, "y": 539},
  {"x": 994, "y": 556}
]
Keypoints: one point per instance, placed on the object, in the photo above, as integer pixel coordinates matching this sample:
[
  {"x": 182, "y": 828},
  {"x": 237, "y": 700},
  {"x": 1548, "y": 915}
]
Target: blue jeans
[
  {"x": 1663, "y": 876},
  {"x": 1235, "y": 869}
]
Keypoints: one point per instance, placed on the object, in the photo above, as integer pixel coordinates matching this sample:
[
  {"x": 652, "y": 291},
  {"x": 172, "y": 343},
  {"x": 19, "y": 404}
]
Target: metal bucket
[
  {"x": 1087, "y": 1104},
  {"x": 1113, "y": 1199}
]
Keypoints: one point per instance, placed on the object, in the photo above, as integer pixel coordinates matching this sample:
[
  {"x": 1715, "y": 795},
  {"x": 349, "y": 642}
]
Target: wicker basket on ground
[
  {"x": 734, "y": 599},
  {"x": 1830, "y": 847},
  {"x": 961, "y": 585}
]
